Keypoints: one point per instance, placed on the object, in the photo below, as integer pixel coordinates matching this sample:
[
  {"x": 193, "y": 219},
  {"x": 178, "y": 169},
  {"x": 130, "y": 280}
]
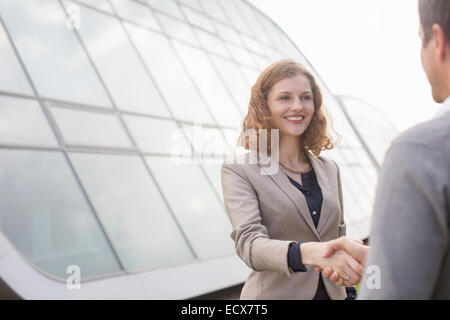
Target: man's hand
[
  {"x": 353, "y": 247},
  {"x": 340, "y": 261}
]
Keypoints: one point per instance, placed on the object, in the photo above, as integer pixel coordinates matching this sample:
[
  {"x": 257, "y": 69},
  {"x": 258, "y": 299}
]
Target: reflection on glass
[
  {"x": 201, "y": 215},
  {"x": 22, "y": 122},
  {"x": 12, "y": 77},
  {"x": 51, "y": 53},
  {"x": 91, "y": 129},
  {"x": 131, "y": 209},
  {"x": 169, "y": 73},
  {"x": 119, "y": 65},
  {"x": 46, "y": 217},
  {"x": 158, "y": 136},
  {"x": 207, "y": 79}
]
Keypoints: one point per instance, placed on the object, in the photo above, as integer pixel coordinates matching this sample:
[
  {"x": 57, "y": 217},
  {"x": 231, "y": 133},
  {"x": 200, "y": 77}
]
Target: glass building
[{"x": 101, "y": 103}]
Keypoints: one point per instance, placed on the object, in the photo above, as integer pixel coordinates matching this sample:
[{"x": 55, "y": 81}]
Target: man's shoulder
[{"x": 431, "y": 134}]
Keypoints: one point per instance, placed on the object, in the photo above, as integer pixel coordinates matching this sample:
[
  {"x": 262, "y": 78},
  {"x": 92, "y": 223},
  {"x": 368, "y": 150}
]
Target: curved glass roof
[
  {"x": 95, "y": 96},
  {"x": 375, "y": 129}
]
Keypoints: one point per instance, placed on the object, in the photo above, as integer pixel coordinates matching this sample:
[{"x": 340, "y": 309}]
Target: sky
[{"x": 368, "y": 49}]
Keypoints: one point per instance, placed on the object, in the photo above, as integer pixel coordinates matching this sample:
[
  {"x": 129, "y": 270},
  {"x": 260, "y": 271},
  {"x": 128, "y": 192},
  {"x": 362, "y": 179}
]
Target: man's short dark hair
[{"x": 431, "y": 12}]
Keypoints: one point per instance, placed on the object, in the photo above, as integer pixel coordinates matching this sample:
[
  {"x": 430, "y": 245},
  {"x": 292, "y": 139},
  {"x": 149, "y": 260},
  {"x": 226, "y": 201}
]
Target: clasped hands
[{"x": 343, "y": 260}]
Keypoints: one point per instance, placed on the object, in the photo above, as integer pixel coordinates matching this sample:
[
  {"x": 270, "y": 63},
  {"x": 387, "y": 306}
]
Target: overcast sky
[{"x": 368, "y": 49}]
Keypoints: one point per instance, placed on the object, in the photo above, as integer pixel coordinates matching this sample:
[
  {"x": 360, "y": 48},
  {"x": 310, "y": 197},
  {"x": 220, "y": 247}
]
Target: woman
[{"x": 282, "y": 220}]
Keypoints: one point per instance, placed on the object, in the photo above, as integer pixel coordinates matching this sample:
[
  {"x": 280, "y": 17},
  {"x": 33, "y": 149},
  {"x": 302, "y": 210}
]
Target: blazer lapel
[{"x": 295, "y": 195}]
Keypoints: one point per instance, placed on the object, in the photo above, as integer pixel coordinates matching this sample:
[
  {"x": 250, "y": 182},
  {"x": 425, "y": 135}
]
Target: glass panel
[
  {"x": 177, "y": 29},
  {"x": 212, "y": 43},
  {"x": 91, "y": 129},
  {"x": 228, "y": 34},
  {"x": 252, "y": 44},
  {"x": 51, "y": 53},
  {"x": 158, "y": 136},
  {"x": 250, "y": 74},
  {"x": 44, "y": 214},
  {"x": 136, "y": 12},
  {"x": 242, "y": 56},
  {"x": 207, "y": 142},
  {"x": 99, "y": 4},
  {"x": 22, "y": 122},
  {"x": 250, "y": 17},
  {"x": 201, "y": 215},
  {"x": 234, "y": 17},
  {"x": 376, "y": 130},
  {"x": 235, "y": 82},
  {"x": 213, "y": 9},
  {"x": 12, "y": 77},
  {"x": 211, "y": 87},
  {"x": 262, "y": 62},
  {"x": 167, "y": 6},
  {"x": 119, "y": 65},
  {"x": 213, "y": 169},
  {"x": 132, "y": 211},
  {"x": 169, "y": 73},
  {"x": 192, "y": 3},
  {"x": 198, "y": 19},
  {"x": 270, "y": 30}
]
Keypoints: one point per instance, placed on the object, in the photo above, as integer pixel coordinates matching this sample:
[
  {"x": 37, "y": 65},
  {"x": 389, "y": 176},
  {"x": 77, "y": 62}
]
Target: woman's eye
[
  {"x": 307, "y": 97},
  {"x": 284, "y": 98}
]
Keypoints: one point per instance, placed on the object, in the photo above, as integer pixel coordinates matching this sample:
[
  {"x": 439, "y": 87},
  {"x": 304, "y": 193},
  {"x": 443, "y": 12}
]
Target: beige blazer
[{"x": 267, "y": 213}]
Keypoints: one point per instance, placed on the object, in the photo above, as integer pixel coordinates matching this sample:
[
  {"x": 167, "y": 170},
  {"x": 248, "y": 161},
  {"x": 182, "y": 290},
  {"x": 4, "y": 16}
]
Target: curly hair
[{"x": 315, "y": 138}]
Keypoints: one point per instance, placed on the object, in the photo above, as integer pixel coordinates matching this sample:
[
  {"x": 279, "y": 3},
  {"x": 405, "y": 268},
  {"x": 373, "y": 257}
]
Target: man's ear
[{"x": 440, "y": 42}]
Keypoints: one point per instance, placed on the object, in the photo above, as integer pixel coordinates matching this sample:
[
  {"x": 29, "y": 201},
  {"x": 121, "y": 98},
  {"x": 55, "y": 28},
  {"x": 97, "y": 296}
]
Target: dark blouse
[{"x": 313, "y": 194}]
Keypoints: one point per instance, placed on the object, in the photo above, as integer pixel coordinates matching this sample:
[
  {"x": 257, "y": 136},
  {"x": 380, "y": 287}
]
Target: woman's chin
[{"x": 293, "y": 133}]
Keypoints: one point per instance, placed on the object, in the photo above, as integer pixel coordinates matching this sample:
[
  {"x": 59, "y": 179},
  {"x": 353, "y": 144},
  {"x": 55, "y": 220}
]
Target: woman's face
[{"x": 291, "y": 105}]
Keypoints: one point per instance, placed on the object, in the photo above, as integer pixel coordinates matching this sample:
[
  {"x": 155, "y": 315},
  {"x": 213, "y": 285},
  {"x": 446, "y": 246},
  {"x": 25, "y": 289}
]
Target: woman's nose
[{"x": 297, "y": 104}]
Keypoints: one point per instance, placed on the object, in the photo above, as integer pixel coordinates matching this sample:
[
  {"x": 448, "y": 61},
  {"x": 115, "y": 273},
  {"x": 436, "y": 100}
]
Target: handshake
[{"x": 343, "y": 260}]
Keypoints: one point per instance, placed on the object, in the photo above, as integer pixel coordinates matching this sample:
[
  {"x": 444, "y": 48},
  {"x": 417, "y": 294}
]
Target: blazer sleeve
[
  {"x": 250, "y": 235},
  {"x": 342, "y": 225}
]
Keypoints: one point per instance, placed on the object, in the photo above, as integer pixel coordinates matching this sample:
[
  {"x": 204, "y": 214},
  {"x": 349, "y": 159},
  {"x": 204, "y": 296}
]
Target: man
[{"x": 410, "y": 231}]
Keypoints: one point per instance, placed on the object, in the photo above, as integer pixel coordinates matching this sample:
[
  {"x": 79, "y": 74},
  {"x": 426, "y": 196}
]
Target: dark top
[{"x": 313, "y": 194}]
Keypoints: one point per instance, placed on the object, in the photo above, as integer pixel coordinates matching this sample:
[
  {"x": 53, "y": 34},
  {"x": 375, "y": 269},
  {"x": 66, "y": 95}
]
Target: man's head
[{"x": 435, "y": 52}]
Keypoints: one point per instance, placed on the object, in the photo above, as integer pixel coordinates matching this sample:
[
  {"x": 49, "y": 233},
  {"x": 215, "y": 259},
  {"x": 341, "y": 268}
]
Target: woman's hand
[
  {"x": 347, "y": 267},
  {"x": 353, "y": 247}
]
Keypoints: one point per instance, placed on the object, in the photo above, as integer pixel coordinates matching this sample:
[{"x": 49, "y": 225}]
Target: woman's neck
[{"x": 292, "y": 151}]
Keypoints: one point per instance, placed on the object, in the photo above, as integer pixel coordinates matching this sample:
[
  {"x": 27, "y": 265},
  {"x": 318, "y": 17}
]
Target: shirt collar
[{"x": 444, "y": 109}]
